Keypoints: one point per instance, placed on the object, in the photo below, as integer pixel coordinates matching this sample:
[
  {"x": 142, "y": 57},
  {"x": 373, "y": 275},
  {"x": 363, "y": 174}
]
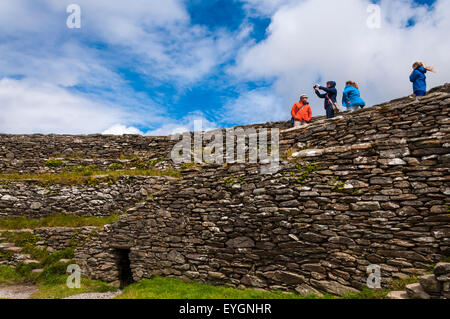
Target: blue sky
[{"x": 155, "y": 66}]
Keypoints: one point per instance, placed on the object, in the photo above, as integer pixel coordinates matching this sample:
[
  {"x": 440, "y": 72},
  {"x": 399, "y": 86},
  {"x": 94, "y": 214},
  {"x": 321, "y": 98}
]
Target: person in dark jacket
[
  {"x": 330, "y": 94},
  {"x": 418, "y": 78}
]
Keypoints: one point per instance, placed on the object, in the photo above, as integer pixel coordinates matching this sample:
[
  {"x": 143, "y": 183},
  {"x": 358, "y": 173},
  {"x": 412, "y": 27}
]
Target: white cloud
[
  {"x": 119, "y": 129},
  {"x": 69, "y": 64},
  {"x": 156, "y": 33},
  {"x": 168, "y": 129},
  {"x": 308, "y": 40},
  {"x": 263, "y": 7},
  {"x": 154, "y": 38},
  {"x": 193, "y": 121},
  {"x": 29, "y": 107},
  {"x": 256, "y": 106}
]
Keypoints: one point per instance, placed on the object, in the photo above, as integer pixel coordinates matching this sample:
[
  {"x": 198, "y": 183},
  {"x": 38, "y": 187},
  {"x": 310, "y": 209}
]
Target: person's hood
[
  {"x": 332, "y": 84},
  {"x": 421, "y": 69}
]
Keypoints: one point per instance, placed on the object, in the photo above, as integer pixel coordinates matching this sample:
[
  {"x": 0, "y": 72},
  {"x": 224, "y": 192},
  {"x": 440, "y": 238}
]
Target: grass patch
[
  {"x": 6, "y": 255},
  {"x": 59, "y": 220},
  {"x": 28, "y": 243},
  {"x": 12, "y": 276},
  {"x": 303, "y": 172},
  {"x": 232, "y": 180},
  {"x": 142, "y": 164},
  {"x": 383, "y": 109},
  {"x": 51, "y": 285},
  {"x": 128, "y": 157},
  {"x": 115, "y": 167},
  {"x": 85, "y": 175},
  {"x": 52, "y": 268},
  {"x": 72, "y": 156},
  {"x": 171, "y": 288},
  {"x": 288, "y": 153},
  {"x": 400, "y": 284},
  {"x": 190, "y": 166},
  {"x": 367, "y": 293},
  {"x": 21, "y": 239},
  {"x": 54, "y": 163},
  {"x": 338, "y": 185},
  {"x": 57, "y": 288},
  {"x": 5, "y": 183},
  {"x": 52, "y": 281}
]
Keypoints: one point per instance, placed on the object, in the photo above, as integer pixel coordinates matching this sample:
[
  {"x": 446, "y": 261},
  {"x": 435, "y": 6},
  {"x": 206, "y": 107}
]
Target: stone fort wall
[
  {"x": 368, "y": 188},
  {"x": 371, "y": 187}
]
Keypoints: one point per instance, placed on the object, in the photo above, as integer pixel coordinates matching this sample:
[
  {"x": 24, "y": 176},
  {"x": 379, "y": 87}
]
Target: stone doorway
[{"x": 125, "y": 273}]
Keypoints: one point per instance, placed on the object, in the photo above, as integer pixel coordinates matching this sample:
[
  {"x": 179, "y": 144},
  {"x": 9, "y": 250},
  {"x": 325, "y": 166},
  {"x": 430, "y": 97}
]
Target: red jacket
[{"x": 301, "y": 113}]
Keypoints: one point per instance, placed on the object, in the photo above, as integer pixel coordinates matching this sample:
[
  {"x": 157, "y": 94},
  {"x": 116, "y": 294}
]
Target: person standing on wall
[
  {"x": 351, "y": 98},
  {"x": 418, "y": 78},
  {"x": 301, "y": 112},
  {"x": 330, "y": 97}
]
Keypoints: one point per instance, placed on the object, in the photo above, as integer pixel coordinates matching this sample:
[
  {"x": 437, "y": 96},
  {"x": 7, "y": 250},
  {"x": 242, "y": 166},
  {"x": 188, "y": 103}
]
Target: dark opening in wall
[{"x": 125, "y": 274}]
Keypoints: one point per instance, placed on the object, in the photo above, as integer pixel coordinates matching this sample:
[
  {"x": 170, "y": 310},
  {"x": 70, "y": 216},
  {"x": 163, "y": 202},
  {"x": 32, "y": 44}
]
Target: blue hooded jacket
[
  {"x": 418, "y": 78},
  {"x": 331, "y": 92},
  {"x": 351, "y": 97}
]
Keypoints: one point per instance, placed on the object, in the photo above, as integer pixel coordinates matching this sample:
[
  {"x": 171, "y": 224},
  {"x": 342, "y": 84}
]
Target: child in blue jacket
[
  {"x": 351, "y": 98},
  {"x": 418, "y": 78}
]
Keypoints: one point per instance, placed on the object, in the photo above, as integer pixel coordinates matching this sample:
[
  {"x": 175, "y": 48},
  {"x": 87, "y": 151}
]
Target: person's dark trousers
[
  {"x": 330, "y": 112},
  {"x": 420, "y": 93}
]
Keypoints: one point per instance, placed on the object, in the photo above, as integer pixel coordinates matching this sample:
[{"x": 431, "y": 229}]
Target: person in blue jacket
[
  {"x": 329, "y": 95},
  {"x": 351, "y": 98},
  {"x": 418, "y": 78}
]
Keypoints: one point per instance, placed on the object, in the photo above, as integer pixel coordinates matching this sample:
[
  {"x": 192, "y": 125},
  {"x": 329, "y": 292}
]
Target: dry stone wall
[
  {"x": 30, "y": 153},
  {"x": 371, "y": 187},
  {"x": 18, "y": 150},
  {"x": 59, "y": 238},
  {"x": 103, "y": 198},
  {"x": 366, "y": 188}
]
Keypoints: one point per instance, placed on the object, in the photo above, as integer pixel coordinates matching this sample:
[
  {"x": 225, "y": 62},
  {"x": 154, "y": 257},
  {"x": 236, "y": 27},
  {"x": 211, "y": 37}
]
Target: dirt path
[
  {"x": 95, "y": 295},
  {"x": 17, "y": 292},
  {"x": 25, "y": 292}
]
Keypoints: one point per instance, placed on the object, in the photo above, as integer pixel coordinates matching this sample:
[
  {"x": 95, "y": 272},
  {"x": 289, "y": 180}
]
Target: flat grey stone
[
  {"x": 430, "y": 284},
  {"x": 442, "y": 269},
  {"x": 415, "y": 291},
  {"x": 397, "y": 295}
]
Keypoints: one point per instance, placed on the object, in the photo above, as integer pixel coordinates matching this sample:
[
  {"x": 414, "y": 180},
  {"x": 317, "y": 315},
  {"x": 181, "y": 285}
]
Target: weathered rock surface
[
  {"x": 415, "y": 291},
  {"x": 433, "y": 286},
  {"x": 430, "y": 284},
  {"x": 397, "y": 295}
]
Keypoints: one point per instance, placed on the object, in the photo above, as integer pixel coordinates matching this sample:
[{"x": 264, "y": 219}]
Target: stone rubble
[{"x": 433, "y": 286}]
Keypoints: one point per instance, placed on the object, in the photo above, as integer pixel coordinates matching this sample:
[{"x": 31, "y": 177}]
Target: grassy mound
[
  {"x": 59, "y": 220},
  {"x": 85, "y": 175},
  {"x": 171, "y": 288}
]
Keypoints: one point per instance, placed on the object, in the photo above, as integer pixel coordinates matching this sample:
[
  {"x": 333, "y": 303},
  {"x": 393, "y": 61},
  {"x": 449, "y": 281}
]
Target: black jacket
[{"x": 330, "y": 93}]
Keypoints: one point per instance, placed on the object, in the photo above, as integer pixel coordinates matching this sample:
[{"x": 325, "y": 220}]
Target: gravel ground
[
  {"x": 25, "y": 292},
  {"x": 17, "y": 292},
  {"x": 106, "y": 295}
]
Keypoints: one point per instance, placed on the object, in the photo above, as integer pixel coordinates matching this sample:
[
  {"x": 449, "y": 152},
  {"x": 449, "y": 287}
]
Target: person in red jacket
[{"x": 301, "y": 112}]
